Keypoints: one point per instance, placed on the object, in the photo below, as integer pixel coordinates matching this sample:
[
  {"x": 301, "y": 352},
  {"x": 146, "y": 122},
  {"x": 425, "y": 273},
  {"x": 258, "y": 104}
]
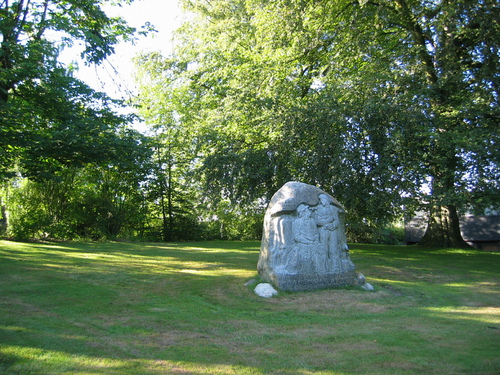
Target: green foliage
[
  {"x": 63, "y": 128},
  {"x": 368, "y": 100},
  {"x": 390, "y": 234},
  {"x": 92, "y": 202},
  {"x": 27, "y": 219},
  {"x": 85, "y": 168},
  {"x": 230, "y": 222},
  {"x": 111, "y": 205},
  {"x": 50, "y": 120}
]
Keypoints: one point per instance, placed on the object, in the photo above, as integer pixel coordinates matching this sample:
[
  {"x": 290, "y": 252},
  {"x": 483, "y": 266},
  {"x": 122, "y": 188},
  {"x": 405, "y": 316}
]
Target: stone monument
[{"x": 304, "y": 246}]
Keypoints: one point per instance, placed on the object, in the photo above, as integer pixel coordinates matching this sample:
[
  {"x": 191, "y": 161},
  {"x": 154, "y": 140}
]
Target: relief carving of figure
[
  {"x": 304, "y": 246},
  {"x": 327, "y": 222},
  {"x": 305, "y": 233},
  {"x": 325, "y": 219}
]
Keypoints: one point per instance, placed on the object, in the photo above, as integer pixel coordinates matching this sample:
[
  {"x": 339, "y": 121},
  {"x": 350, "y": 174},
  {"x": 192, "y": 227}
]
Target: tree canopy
[
  {"x": 49, "y": 119},
  {"x": 392, "y": 106},
  {"x": 388, "y": 104}
]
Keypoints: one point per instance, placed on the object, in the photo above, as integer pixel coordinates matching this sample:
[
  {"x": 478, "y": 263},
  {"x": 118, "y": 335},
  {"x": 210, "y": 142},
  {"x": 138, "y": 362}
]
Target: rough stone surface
[
  {"x": 304, "y": 246},
  {"x": 265, "y": 290},
  {"x": 361, "y": 282},
  {"x": 361, "y": 279}
]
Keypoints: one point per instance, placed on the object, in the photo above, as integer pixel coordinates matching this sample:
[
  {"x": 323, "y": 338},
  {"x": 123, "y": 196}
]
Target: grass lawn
[{"x": 144, "y": 308}]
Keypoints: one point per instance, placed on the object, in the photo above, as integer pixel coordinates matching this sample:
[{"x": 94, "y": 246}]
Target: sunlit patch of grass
[
  {"x": 118, "y": 308},
  {"x": 39, "y": 361},
  {"x": 490, "y": 315}
]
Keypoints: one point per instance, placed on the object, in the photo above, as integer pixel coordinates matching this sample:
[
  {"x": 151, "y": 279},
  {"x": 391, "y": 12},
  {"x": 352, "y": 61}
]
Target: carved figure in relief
[
  {"x": 303, "y": 244},
  {"x": 304, "y": 228},
  {"x": 310, "y": 253},
  {"x": 327, "y": 225}
]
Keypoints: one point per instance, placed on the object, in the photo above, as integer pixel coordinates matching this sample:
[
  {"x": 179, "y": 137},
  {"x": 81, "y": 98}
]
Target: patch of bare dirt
[
  {"x": 23, "y": 309},
  {"x": 335, "y": 300}
]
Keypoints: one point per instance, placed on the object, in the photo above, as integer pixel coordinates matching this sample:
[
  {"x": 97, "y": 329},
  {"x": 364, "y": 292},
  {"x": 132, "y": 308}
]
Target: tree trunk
[
  {"x": 3, "y": 218},
  {"x": 169, "y": 200},
  {"x": 443, "y": 229},
  {"x": 165, "y": 232}
]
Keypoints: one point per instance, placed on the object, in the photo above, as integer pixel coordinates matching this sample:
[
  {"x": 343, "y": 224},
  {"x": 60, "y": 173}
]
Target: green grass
[{"x": 121, "y": 308}]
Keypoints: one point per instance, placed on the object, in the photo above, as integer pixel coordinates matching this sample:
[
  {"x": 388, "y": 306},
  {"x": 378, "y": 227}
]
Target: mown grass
[{"x": 130, "y": 308}]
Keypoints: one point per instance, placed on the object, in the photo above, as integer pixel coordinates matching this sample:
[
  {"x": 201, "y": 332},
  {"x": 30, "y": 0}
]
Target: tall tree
[
  {"x": 48, "y": 118},
  {"x": 447, "y": 55},
  {"x": 112, "y": 200},
  {"x": 97, "y": 201},
  {"x": 171, "y": 188},
  {"x": 373, "y": 100}
]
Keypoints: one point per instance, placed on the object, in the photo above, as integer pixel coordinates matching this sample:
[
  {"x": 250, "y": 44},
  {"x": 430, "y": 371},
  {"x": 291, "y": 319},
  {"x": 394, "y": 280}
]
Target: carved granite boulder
[{"x": 304, "y": 246}]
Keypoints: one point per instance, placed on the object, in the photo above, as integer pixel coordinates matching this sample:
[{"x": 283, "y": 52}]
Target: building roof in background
[{"x": 473, "y": 228}]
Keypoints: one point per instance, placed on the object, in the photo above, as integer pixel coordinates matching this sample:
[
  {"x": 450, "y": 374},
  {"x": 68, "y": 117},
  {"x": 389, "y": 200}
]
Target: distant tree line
[{"x": 392, "y": 106}]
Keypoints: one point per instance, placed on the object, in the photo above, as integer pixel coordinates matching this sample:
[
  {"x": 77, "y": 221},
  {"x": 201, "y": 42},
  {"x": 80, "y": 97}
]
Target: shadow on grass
[{"x": 118, "y": 308}]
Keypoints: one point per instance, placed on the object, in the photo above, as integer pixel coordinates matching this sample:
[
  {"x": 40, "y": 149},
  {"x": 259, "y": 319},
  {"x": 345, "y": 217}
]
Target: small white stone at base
[
  {"x": 368, "y": 286},
  {"x": 265, "y": 290}
]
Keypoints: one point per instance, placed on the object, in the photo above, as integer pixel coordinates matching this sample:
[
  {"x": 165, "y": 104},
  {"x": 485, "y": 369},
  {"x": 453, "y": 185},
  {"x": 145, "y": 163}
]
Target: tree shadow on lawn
[
  {"x": 138, "y": 311},
  {"x": 135, "y": 258},
  {"x": 289, "y": 335}
]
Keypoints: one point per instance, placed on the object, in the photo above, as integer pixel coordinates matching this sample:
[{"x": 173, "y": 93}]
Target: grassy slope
[{"x": 116, "y": 308}]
